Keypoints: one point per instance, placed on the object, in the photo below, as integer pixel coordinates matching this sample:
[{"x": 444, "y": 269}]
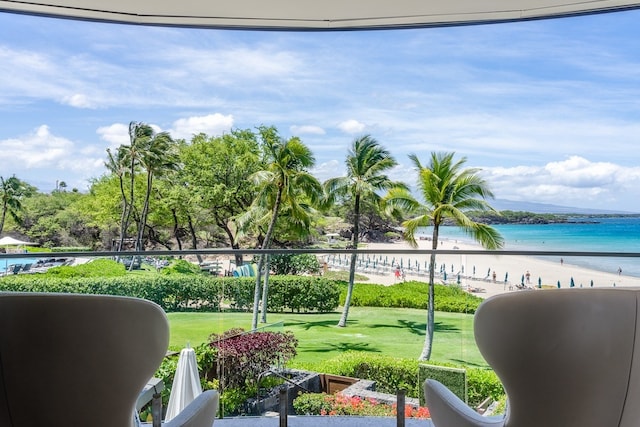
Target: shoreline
[{"x": 514, "y": 267}]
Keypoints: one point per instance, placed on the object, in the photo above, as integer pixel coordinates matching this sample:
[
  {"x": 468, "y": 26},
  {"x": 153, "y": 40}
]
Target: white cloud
[
  {"x": 212, "y": 125},
  {"x": 40, "y": 157},
  {"x": 326, "y": 170},
  {"x": 575, "y": 181},
  {"x": 37, "y": 149},
  {"x": 307, "y": 129},
  {"x": 351, "y": 126},
  {"x": 116, "y": 134},
  {"x": 78, "y": 100}
]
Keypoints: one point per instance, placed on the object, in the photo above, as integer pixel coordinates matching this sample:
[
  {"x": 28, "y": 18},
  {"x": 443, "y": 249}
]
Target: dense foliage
[
  {"x": 294, "y": 264},
  {"x": 236, "y": 356},
  {"x": 182, "y": 292},
  {"x": 393, "y": 373},
  {"x": 413, "y": 294},
  {"x": 243, "y": 357},
  {"x": 337, "y": 404}
]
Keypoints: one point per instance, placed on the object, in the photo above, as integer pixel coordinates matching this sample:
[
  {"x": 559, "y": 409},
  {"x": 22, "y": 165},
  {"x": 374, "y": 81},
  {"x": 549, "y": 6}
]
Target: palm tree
[
  {"x": 157, "y": 156},
  {"x": 12, "y": 190},
  {"x": 449, "y": 191},
  {"x": 280, "y": 183},
  {"x": 139, "y": 134},
  {"x": 117, "y": 165},
  {"x": 366, "y": 163}
]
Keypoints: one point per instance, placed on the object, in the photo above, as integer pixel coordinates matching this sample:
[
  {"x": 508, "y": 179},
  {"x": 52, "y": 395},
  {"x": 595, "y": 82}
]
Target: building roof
[{"x": 312, "y": 14}]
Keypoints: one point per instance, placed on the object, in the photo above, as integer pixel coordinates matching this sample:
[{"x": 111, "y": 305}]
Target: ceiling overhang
[{"x": 312, "y": 14}]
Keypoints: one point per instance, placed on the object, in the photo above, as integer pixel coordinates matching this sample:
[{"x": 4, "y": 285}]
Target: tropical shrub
[
  {"x": 293, "y": 264},
  {"x": 181, "y": 266},
  {"x": 95, "y": 268},
  {"x": 241, "y": 357},
  {"x": 412, "y": 294},
  {"x": 187, "y": 292},
  {"x": 338, "y": 404},
  {"x": 393, "y": 373}
]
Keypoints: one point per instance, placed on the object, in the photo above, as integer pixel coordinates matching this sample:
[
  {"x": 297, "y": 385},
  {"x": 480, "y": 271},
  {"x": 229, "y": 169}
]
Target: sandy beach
[{"x": 512, "y": 266}]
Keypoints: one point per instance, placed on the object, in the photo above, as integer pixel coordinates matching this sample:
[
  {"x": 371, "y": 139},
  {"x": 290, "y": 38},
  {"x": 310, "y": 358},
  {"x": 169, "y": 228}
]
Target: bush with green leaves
[
  {"x": 393, "y": 373},
  {"x": 96, "y": 268},
  {"x": 181, "y": 266},
  {"x": 189, "y": 292},
  {"x": 294, "y": 264},
  {"x": 412, "y": 294}
]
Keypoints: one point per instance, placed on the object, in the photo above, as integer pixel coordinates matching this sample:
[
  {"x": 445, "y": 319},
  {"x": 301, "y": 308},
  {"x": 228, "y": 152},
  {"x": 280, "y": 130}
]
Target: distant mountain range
[{"x": 545, "y": 208}]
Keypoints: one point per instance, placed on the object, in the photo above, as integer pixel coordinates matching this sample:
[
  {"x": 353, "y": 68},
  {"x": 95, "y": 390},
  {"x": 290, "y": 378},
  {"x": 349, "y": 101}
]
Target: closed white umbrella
[{"x": 186, "y": 383}]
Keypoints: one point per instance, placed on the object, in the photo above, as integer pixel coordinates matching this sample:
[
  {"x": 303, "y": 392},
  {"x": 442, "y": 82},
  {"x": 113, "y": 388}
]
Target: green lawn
[{"x": 390, "y": 331}]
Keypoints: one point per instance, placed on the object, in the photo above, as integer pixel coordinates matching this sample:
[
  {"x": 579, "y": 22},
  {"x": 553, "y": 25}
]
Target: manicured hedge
[
  {"x": 393, "y": 373},
  {"x": 450, "y": 298},
  {"x": 191, "y": 292}
]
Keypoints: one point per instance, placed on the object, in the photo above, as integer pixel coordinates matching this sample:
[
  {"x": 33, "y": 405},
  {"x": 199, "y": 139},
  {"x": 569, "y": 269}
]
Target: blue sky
[{"x": 549, "y": 110}]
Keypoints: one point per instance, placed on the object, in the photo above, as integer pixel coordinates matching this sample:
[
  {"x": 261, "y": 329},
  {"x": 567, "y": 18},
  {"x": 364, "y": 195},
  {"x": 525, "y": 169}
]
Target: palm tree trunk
[
  {"x": 194, "y": 238},
  {"x": 145, "y": 211},
  {"x": 256, "y": 294},
  {"x": 176, "y": 230},
  {"x": 352, "y": 267},
  {"x": 265, "y": 290},
  {"x": 428, "y": 338},
  {"x": 125, "y": 208},
  {"x": 4, "y": 216},
  {"x": 265, "y": 245}
]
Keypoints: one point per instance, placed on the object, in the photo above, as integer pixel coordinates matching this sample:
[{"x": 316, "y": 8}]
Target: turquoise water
[{"x": 604, "y": 235}]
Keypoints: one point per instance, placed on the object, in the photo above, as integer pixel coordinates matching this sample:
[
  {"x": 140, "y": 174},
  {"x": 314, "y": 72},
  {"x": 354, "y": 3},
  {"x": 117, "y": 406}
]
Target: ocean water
[{"x": 586, "y": 234}]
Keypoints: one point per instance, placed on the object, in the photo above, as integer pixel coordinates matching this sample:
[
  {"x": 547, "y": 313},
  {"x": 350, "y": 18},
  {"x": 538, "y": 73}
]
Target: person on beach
[
  {"x": 397, "y": 273},
  {"x": 494, "y": 275},
  {"x": 619, "y": 271},
  {"x": 561, "y": 261},
  {"x": 527, "y": 276},
  {"x": 404, "y": 276}
]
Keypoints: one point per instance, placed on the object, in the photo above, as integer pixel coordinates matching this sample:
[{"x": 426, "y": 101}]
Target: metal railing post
[
  {"x": 400, "y": 408},
  {"x": 284, "y": 405},
  {"x": 156, "y": 409}
]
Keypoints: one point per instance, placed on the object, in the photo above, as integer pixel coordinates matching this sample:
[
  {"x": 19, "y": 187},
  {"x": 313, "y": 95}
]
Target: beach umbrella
[
  {"x": 458, "y": 278},
  {"x": 592, "y": 283},
  {"x": 558, "y": 284},
  {"x": 571, "y": 283},
  {"x": 474, "y": 271},
  {"x": 506, "y": 277},
  {"x": 10, "y": 241},
  {"x": 539, "y": 282},
  {"x": 522, "y": 280},
  {"x": 444, "y": 276},
  {"x": 452, "y": 268},
  {"x": 462, "y": 269},
  {"x": 489, "y": 272},
  {"x": 186, "y": 383}
]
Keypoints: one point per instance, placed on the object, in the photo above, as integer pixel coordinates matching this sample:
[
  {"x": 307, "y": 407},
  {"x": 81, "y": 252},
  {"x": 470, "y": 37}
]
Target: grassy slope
[{"x": 390, "y": 331}]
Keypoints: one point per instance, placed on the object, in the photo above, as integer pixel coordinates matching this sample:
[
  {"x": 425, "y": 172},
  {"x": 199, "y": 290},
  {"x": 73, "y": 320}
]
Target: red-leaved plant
[{"x": 241, "y": 357}]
